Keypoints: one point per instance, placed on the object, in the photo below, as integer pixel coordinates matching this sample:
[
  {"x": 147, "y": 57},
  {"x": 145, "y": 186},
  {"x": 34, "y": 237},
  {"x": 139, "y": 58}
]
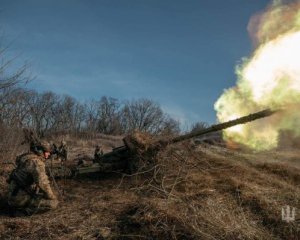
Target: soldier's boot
[
  {"x": 41, "y": 205},
  {"x": 16, "y": 212}
]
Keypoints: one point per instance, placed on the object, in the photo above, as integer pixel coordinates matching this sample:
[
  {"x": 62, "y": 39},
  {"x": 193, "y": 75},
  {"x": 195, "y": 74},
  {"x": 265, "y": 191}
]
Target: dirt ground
[{"x": 191, "y": 192}]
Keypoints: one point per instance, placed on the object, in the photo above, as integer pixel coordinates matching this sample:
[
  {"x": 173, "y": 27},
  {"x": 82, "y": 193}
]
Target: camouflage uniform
[
  {"x": 98, "y": 153},
  {"x": 63, "y": 151},
  {"x": 29, "y": 187}
]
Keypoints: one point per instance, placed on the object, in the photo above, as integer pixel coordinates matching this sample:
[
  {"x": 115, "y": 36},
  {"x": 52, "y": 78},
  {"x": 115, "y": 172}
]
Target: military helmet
[
  {"x": 40, "y": 147},
  {"x": 45, "y": 146}
]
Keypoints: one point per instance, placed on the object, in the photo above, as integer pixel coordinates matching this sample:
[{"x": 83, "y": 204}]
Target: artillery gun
[{"x": 140, "y": 148}]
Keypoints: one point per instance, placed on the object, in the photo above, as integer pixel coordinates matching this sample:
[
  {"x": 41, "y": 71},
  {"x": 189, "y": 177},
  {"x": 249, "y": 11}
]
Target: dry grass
[{"x": 207, "y": 192}]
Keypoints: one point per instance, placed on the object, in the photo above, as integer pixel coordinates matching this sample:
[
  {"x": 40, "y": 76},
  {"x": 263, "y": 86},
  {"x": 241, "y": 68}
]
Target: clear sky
[{"x": 179, "y": 53}]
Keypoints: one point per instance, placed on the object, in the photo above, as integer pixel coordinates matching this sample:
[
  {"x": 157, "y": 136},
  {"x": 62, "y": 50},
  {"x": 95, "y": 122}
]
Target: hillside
[{"x": 192, "y": 192}]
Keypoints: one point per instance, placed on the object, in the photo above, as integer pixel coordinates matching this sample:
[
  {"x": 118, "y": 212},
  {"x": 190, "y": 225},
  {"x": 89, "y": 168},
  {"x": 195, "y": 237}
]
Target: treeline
[{"x": 50, "y": 113}]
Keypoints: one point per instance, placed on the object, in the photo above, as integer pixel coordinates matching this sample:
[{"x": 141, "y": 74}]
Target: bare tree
[
  {"x": 91, "y": 116},
  {"x": 7, "y": 81},
  {"x": 14, "y": 109},
  {"x": 109, "y": 117},
  {"x": 198, "y": 126},
  {"x": 8, "y": 77},
  {"x": 142, "y": 114},
  {"x": 170, "y": 126},
  {"x": 79, "y": 117},
  {"x": 41, "y": 109}
]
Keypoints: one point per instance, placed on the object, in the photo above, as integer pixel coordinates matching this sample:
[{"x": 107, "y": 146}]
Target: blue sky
[{"x": 181, "y": 54}]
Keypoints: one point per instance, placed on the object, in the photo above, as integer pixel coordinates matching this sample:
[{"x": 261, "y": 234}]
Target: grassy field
[{"x": 191, "y": 192}]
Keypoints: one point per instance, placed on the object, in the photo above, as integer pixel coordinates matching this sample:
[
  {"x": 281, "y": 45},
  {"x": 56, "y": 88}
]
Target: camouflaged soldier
[
  {"x": 63, "y": 151},
  {"x": 60, "y": 152},
  {"x": 98, "y": 153},
  {"x": 29, "y": 187}
]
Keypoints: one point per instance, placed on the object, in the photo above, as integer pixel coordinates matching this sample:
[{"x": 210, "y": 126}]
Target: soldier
[
  {"x": 29, "y": 187},
  {"x": 98, "y": 153},
  {"x": 63, "y": 151}
]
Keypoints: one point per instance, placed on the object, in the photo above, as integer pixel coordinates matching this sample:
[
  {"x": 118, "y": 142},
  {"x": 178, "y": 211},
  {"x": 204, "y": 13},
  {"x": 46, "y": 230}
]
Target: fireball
[{"x": 270, "y": 78}]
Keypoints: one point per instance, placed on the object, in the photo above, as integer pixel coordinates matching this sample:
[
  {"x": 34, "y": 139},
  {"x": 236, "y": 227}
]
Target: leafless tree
[
  {"x": 170, "y": 126},
  {"x": 198, "y": 126},
  {"x": 109, "y": 116},
  {"x": 79, "y": 117},
  {"x": 91, "y": 116},
  {"x": 143, "y": 115},
  {"x": 41, "y": 110},
  {"x": 14, "y": 109},
  {"x": 10, "y": 74},
  {"x": 67, "y": 114}
]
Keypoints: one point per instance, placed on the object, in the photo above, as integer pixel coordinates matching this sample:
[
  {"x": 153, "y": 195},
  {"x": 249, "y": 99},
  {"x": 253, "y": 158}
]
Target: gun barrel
[{"x": 221, "y": 126}]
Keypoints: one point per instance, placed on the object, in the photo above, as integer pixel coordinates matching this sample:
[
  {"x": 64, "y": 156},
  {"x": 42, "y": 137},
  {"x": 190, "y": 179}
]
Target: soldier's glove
[{"x": 35, "y": 189}]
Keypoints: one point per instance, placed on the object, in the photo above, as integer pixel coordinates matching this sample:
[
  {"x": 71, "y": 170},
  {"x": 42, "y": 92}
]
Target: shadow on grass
[{"x": 4, "y": 207}]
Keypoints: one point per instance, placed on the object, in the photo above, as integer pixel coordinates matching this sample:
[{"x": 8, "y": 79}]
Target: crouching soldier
[{"x": 29, "y": 188}]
